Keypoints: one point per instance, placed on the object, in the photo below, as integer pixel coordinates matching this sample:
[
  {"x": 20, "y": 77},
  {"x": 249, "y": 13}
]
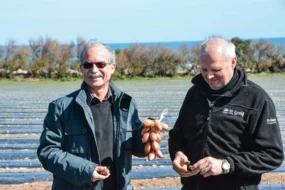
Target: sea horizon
[{"x": 177, "y": 44}]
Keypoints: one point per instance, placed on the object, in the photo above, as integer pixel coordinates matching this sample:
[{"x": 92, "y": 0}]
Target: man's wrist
[
  {"x": 225, "y": 166},
  {"x": 232, "y": 164}
]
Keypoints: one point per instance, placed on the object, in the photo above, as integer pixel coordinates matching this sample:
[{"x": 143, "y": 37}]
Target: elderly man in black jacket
[{"x": 227, "y": 126}]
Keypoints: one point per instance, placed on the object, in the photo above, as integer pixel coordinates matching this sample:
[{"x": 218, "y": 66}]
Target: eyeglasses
[{"x": 99, "y": 65}]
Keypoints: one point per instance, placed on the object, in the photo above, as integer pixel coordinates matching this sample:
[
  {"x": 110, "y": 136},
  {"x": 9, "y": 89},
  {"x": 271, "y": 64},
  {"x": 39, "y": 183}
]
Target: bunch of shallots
[{"x": 152, "y": 136}]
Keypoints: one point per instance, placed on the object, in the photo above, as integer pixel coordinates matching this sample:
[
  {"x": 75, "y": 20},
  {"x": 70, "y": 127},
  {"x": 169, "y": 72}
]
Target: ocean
[{"x": 175, "y": 45}]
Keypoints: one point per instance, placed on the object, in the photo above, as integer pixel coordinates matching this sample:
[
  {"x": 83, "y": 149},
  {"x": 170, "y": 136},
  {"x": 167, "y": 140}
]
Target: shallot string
[{"x": 163, "y": 114}]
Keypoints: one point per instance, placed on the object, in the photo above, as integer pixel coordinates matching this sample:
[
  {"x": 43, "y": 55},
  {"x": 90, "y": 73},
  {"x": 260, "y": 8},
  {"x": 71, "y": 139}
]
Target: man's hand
[
  {"x": 100, "y": 173},
  {"x": 179, "y": 165},
  {"x": 208, "y": 166}
]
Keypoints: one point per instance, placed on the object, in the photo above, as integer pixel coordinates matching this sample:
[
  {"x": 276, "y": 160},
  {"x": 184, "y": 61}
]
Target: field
[{"x": 23, "y": 106}]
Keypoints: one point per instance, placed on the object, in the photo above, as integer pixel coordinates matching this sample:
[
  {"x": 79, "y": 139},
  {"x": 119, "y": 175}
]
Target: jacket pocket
[
  {"x": 128, "y": 153},
  {"x": 193, "y": 143},
  {"x": 77, "y": 141},
  {"x": 129, "y": 140},
  {"x": 60, "y": 184}
]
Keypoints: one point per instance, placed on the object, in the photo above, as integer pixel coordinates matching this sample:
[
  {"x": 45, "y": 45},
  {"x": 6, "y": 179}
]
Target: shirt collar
[{"x": 90, "y": 96}]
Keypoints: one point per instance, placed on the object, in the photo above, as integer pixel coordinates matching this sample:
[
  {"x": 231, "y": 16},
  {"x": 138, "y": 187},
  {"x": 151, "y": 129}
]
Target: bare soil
[{"x": 139, "y": 184}]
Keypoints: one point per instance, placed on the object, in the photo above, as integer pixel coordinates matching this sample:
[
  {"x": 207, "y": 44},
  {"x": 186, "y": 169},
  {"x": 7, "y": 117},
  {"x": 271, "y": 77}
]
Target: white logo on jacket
[
  {"x": 271, "y": 121},
  {"x": 233, "y": 112}
]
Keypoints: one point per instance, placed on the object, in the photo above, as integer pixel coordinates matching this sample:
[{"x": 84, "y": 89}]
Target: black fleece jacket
[{"x": 240, "y": 125}]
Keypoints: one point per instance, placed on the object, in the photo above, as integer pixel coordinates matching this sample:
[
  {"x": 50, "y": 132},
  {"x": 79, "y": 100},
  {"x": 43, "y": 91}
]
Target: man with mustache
[
  {"x": 227, "y": 134},
  {"x": 90, "y": 135}
]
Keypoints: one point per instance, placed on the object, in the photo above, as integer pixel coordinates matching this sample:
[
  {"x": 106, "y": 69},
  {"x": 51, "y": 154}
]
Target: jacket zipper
[
  {"x": 94, "y": 136},
  {"x": 117, "y": 132},
  {"x": 93, "y": 152},
  {"x": 95, "y": 140},
  {"x": 206, "y": 133}
]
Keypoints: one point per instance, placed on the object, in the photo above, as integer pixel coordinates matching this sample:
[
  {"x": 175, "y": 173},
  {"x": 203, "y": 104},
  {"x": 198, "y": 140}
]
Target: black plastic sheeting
[
  {"x": 22, "y": 126},
  {"x": 12, "y": 144},
  {"x": 20, "y": 164},
  {"x": 31, "y": 130},
  {"x": 19, "y": 140},
  {"x": 20, "y": 122},
  {"x": 13, "y": 141},
  {"x": 139, "y": 173},
  {"x": 37, "y": 141},
  {"x": 18, "y": 146},
  {"x": 22, "y": 116},
  {"x": 31, "y": 144},
  {"x": 25, "y": 177},
  {"x": 18, "y": 155},
  {"x": 39, "y": 121},
  {"x": 21, "y": 131},
  {"x": 15, "y": 155},
  {"x": 37, "y": 164},
  {"x": 28, "y": 177}
]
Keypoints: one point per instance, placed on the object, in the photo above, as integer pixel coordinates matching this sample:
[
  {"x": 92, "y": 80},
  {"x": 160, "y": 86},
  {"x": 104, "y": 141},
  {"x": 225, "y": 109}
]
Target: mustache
[{"x": 95, "y": 74}]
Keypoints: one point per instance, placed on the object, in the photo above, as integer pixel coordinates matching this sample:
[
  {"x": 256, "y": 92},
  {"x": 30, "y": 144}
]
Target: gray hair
[
  {"x": 93, "y": 43},
  {"x": 228, "y": 48}
]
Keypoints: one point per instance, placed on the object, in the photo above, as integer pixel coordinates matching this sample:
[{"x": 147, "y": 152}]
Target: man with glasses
[
  {"x": 90, "y": 135},
  {"x": 227, "y": 134}
]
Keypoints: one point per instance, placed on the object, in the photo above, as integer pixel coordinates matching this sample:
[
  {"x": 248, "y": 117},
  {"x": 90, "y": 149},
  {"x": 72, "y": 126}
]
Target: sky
[{"x": 129, "y": 21}]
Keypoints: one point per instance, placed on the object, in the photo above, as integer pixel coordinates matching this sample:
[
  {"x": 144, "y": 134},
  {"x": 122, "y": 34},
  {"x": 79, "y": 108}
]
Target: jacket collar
[
  {"x": 90, "y": 97},
  {"x": 85, "y": 96},
  {"x": 204, "y": 86}
]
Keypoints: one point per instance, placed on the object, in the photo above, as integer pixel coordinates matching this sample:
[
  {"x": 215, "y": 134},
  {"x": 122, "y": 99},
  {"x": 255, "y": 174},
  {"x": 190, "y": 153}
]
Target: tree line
[{"x": 48, "y": 58}]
